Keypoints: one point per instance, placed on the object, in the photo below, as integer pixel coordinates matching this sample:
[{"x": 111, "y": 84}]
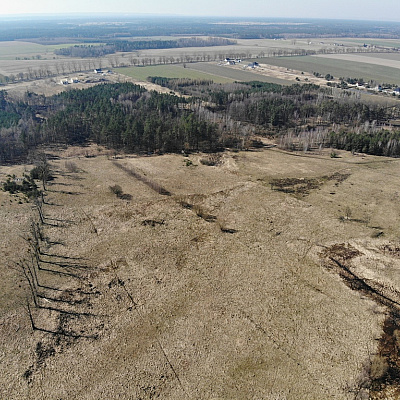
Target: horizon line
[{"x": 133, "y": 14}]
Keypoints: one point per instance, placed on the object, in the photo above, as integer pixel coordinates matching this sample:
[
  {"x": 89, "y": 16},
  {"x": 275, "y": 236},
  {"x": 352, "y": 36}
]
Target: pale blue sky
[{"x": 386, "y": 10}]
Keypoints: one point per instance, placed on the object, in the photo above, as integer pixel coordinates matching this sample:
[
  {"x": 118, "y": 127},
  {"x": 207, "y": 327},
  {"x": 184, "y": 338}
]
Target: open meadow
[
  {"x": 201, "y": 282},
  {"x": 171, "y": 71}
]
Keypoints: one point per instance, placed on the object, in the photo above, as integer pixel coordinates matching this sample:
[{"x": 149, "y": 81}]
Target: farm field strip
[
  {"x": 374, "y": 42},
  {"x": 383, "y": 56},
  {"x": 336, "y": 67},
  {"x": 368, "y": 59},
  {"x": 10, "y": 50},
  {"x": 8, "y": 67}
]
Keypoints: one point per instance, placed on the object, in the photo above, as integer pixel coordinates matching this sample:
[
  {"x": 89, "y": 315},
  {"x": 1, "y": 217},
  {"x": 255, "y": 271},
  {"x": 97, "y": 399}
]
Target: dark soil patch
[
  {"x": 391, "y": 249},
  {"x": 389, "y": 351},
  {"x": 303, "y": 186}
]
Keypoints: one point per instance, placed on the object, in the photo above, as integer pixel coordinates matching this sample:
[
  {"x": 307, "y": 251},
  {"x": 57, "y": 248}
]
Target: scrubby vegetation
[{"x": 26, "y": 186}]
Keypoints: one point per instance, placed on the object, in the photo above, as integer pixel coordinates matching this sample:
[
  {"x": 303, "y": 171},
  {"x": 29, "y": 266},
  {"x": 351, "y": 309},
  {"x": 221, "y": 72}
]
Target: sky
[{"x": 381, "y": 10}]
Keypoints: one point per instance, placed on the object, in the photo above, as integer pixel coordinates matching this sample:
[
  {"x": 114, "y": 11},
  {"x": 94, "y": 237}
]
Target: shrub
[
  {"x": 117, "y": 190},
  {"x": 379, "y": 367},
  {"x": 71, "y": 166},
  {"x": 334, "y": 154}
]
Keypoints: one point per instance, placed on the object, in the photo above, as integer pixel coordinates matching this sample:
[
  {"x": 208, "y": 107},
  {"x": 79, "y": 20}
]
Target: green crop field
[
  {"x": 337, "y": 68},
  {"x": 171, "y": 71}
]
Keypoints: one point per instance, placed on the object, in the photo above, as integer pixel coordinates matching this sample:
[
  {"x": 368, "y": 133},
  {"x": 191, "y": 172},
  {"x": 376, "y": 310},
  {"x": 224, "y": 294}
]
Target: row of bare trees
[
  {"x": 55, "y": 301},
  {"x": 52, "y": 69}
]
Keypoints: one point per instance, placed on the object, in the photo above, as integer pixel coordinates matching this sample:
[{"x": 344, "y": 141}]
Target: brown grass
[{"x": 234, "y": 308}]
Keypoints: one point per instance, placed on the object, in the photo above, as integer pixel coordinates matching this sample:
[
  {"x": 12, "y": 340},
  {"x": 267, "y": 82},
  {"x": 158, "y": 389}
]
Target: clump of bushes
[
  {"x": 334, "y": 154},
  {"x": 117, "y": 190},
  {"x": 27, "y": 186},
  {"x": 70, "y": 166}
]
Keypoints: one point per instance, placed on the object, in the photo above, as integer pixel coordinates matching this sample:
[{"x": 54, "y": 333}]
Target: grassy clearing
[
  {"x": 171, "y": 71},
  {"x": 338, "y": 68}
]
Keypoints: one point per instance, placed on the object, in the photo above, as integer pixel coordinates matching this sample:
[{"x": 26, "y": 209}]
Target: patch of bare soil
[{"x": 303, "y": 186}]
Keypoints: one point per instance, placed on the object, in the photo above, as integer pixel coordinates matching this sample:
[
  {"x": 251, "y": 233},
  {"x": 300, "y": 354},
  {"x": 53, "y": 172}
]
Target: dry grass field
[
  {"x": 226, "y": 287},
  {"x": 391, "y": 60},
  {"x": 10, "y": 50}
]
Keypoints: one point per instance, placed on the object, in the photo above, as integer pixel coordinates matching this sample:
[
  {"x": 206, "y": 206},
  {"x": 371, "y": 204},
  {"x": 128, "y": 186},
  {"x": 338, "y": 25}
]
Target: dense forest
[
  {"x": 128, "y": 46},
  {"x": 210, "y": 118}
]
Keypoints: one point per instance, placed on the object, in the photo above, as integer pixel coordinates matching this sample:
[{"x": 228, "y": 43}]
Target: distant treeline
[
  {"x": 82, "y": 51},
  {"x": 104, "y": 28},
  {"x": 126, "y": 117}
]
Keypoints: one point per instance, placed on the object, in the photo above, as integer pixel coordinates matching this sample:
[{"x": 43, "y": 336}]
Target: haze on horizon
[{"x": 385, "y": 10}]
